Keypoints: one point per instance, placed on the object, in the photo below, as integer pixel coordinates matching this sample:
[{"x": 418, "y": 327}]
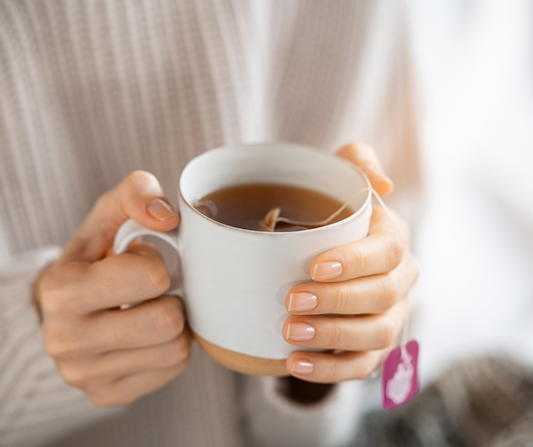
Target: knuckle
[
  {"x": 331, "y": 372},
  {"x": 54, "y": 297},
  {"x": 178, "y": 352},
  {"x": 387, "y": 333},
  {"x": 46, "y": 285},
  {"x": 56, "y": 291},
  {"x": 396, "y": 248},
  {"x": 158, "y": 277},
  {"x": 62, "y": 302},
  {"x": 139, "y": 179},
  {"x": 335, "y": 333},
  {"x": 60, "y": 344},
  {"x": 341, "y": 298},
  {"x": 360, "y": 261},
  {"x": 389, "y": 292},
  {"x": 51, "y": 301},
  {"x": 169, "y": 321}
]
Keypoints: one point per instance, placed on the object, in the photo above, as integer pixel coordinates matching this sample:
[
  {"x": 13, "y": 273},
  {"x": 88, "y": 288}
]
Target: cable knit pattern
[{"x": 92, "y": 90}]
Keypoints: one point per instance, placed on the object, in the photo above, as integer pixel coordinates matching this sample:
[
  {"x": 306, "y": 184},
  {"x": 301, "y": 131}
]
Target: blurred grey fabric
[{"x": 480, "y": 402}]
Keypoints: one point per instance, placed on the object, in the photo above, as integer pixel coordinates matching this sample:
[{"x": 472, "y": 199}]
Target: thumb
[
  {"x": 365, "y": 157},
  {"x": 140, "y": 197}
]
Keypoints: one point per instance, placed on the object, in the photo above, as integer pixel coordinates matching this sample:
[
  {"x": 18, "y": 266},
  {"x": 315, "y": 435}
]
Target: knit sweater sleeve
[
  {"x": 36, "y": 405},
  {"x": 273, "y": 419}
]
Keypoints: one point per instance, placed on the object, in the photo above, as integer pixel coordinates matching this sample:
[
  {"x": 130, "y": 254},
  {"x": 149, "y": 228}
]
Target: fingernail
[
  {"x": 327, "y": 270},
  {"x": 160, "y": 209},
  {"x": 302, "y": 301},
  {"x": 300, "y": 332},
  {"x": 302, "y": 367}
]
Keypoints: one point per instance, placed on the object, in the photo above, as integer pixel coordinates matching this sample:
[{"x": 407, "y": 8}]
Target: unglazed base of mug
[{"x": 242, "y": 363}]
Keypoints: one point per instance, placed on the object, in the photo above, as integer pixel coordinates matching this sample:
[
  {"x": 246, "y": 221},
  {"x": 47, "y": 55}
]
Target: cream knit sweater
[{"x": 91, "y": 90}]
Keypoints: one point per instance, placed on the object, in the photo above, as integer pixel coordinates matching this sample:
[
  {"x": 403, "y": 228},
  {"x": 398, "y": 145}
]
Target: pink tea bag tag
[
  {"x": 400, "y": 369},
  {"x": 400, "y": 375}
]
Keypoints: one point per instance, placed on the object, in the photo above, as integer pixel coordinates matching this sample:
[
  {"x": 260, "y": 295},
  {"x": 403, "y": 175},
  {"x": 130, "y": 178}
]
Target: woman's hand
[
  {"x": 357, "y": 302},
  {"x": 115, "y": 356}
]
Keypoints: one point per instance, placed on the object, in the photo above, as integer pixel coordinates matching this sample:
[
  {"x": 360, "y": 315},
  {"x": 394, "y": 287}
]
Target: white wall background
[{"x": 475, "y": 65}]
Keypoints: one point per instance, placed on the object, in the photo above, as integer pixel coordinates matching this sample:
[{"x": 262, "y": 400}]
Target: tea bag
[
  {"x": 400, "y": 372},
  {"x": 272, "y": 218}
]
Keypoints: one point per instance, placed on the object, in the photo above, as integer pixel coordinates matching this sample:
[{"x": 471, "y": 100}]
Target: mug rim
[{"x": 361, "y": 209}]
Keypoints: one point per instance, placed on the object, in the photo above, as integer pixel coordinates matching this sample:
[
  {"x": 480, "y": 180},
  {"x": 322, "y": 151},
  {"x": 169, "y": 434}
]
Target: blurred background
[{"x": 474, "y": 63}]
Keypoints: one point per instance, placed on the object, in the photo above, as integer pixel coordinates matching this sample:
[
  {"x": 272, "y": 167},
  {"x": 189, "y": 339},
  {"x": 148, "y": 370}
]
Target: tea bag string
[
  {"x": 404, "y": 337},
  {"x": 329, "y": 219},
  {"x": 405, "y": 329},
  {"x": 273, "y": 216}
]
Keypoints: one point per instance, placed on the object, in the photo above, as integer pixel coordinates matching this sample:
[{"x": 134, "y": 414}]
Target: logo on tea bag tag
[
  {"x": 399, "y": 386},
  {"x": 400, "y": 376}
]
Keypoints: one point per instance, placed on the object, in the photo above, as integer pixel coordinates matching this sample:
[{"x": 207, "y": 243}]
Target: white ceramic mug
[{"x": 235, "y": 280}]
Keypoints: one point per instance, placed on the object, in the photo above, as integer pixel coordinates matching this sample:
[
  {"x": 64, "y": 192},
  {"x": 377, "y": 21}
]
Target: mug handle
[{"x": 131, "y": 230}]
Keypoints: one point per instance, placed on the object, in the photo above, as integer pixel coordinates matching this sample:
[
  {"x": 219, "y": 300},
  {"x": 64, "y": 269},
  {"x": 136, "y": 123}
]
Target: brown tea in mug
[{"x": 245, "y": 206}]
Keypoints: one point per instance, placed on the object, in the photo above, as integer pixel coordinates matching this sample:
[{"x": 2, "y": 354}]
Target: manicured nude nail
[
  {"x": 327, "y": 270},
  {"x": 160, "y": 209},
  {"x": 302, "y": 367},
  {"x": 302, "y": 301},
  {"x": 300, "y": 332}
]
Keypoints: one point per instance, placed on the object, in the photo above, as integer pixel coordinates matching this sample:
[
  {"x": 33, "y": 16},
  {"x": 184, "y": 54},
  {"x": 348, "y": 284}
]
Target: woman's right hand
[{"x": 115, "y": 356}]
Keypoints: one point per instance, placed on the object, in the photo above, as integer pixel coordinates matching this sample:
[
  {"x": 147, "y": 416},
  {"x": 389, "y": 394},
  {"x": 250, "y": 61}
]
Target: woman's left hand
[{"x": 358, "y": 301}]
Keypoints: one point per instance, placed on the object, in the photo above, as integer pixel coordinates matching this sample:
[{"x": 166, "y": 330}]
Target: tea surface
[{"x": 245, "y": 206}]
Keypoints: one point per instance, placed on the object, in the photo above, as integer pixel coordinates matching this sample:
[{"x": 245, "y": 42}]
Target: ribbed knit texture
[{"x": 92, "y": 90}]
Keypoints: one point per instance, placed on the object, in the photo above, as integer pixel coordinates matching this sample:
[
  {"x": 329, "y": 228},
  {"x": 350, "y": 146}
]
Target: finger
[
  {"x": 381, "y": 251},
  {"x": 80, "y": 288},
  {"x": 130, "y": 388},
  {"x": 149, "y": 324},
  {"x": 140, "y": 197},
  {"x": 96, "y": 372},
  {"x": 132, "y": 361},
  {"x": 366, "y": 295},
  {"x": 126, "y": 278},
  {"x": 360, "y": 333},
  {"x": 333, "y": 368},
  {"x": 365, "y": 157}
]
